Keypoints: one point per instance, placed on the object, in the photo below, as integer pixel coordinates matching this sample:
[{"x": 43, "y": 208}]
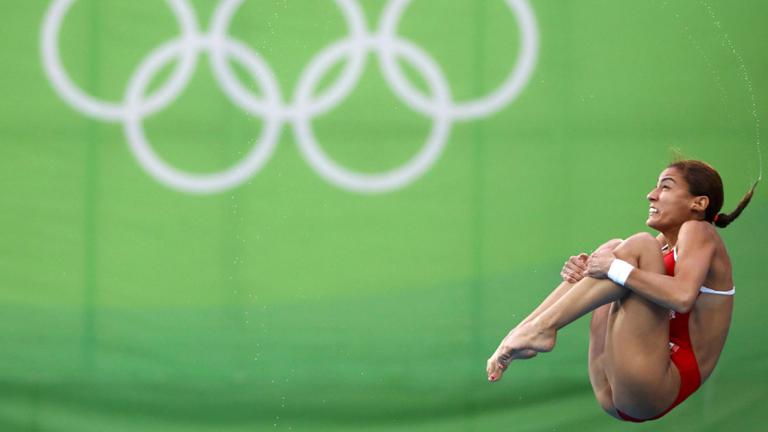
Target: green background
[{"x": 287, "y": 303}]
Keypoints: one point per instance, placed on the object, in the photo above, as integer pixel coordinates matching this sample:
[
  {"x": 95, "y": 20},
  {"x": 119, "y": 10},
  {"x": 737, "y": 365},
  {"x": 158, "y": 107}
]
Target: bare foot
[
  {"x": 522, "y": 343},
  {"x": 497, "y": 364}
]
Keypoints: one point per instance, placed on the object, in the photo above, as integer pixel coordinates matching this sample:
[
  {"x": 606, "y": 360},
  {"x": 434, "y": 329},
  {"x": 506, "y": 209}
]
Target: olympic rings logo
[{"x": 305, "y": 106}]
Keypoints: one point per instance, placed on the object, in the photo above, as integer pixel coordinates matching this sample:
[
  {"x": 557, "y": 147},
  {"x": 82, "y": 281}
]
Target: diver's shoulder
[{"x": 698, "y": 228}]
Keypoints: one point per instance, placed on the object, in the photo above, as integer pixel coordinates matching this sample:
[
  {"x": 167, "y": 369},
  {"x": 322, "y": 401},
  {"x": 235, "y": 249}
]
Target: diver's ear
[{"x": 700, "y": 203}]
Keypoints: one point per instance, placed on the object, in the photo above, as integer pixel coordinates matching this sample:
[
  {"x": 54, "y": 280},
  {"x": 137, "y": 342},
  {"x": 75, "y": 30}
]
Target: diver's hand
[
  {"x": 599, "y": 263},
  {"x": 574, "y": 269}
]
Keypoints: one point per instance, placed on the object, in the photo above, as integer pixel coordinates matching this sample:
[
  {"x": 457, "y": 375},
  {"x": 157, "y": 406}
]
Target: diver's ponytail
[{"x": 722, "y": 220}]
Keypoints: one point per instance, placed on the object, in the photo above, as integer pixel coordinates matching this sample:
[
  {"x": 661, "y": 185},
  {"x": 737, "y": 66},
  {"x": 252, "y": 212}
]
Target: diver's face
[{"x": 670, "y": 202}]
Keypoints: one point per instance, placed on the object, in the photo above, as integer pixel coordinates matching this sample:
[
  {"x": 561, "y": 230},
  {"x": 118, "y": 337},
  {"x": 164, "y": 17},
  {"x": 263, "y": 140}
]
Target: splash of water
[
  {"x": 745, "y": 76},
  {"x": 743, "y": 73}
]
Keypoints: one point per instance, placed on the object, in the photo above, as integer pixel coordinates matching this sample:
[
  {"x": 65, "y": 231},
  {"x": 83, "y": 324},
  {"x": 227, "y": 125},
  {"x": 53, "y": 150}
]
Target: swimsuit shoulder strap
[{"x": 706, "y": 290}]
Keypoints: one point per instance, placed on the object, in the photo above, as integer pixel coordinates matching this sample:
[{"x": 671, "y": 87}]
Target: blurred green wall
[{"x": 285, "y": 299}]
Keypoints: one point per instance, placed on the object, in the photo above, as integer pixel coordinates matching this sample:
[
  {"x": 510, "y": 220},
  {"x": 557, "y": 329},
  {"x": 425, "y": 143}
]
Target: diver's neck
[{"x": 671, "y": 237}]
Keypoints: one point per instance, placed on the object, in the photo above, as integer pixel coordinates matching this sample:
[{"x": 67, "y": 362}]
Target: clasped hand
[{"x": 595, "y": 265}]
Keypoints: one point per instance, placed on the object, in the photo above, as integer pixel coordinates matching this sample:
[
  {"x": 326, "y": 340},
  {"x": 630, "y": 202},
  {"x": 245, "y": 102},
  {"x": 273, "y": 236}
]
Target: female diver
[{"x": 662, "y": 305}]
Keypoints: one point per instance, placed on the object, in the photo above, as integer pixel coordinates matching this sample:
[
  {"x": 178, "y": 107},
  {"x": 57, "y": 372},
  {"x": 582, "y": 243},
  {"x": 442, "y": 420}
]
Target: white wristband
[{"x": 619, "y": 271}]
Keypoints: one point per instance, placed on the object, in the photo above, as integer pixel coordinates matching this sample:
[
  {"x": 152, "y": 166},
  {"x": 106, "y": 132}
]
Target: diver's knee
[
  {"x": 610, "y": 245},
  {"x": 643, "y": 238},
  {"x": 636, "y": 244}
]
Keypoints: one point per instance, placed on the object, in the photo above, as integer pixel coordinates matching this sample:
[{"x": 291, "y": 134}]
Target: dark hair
[{"x": 703, "y": 180}]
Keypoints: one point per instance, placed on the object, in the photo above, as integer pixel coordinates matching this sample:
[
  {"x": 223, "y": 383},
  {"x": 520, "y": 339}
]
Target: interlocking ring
[{"x": 385, "y": 43}]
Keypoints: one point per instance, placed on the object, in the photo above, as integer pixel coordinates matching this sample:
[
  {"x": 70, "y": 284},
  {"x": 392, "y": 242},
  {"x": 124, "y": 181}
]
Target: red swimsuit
[{"x": 680, "y": 351}]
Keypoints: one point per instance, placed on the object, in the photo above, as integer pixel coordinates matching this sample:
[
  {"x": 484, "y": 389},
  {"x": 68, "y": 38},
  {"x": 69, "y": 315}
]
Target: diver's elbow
[{"x": 685, "y": 303}]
